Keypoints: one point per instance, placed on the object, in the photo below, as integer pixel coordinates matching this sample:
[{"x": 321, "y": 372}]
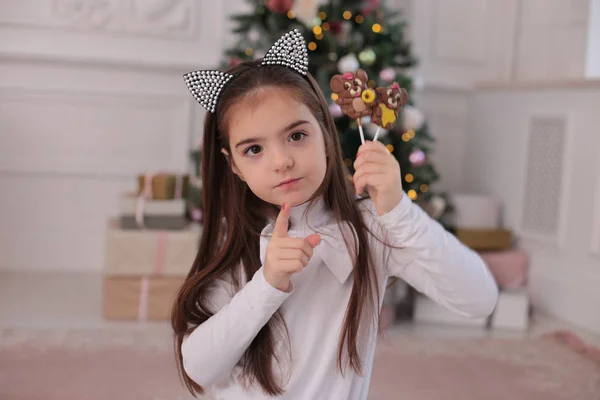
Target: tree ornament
[
  {"x": 417, "y": 158},
  {"x": 387, "y": 74},
  {"x": 367, "y": 57},
  {"x": 412, "y": 118},
  {"x": 348, "y": 63},
  {"x": 279, "y": 6}
]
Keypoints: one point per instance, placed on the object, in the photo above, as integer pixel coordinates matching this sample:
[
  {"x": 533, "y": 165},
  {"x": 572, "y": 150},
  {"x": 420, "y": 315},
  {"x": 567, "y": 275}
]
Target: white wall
[
  {"x": 593, "y": 48},
  {"x": 550, "y": 188},
  {"x": 91, "y": 96},
  {"x": 551, "y": 40}
]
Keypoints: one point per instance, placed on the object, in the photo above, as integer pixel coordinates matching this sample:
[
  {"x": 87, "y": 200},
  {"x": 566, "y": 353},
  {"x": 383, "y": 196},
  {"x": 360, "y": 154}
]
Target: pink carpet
[{"x": 129, "y": 362}]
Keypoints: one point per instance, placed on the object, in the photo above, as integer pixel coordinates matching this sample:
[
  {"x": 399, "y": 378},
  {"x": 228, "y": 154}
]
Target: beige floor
[{"x": 61, "y": 300}]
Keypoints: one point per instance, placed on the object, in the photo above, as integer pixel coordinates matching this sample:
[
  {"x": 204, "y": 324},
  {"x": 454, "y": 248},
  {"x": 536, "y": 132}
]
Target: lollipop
[
  {"x": 389, "y": 100},
  {"x": 354, "y": 98}
]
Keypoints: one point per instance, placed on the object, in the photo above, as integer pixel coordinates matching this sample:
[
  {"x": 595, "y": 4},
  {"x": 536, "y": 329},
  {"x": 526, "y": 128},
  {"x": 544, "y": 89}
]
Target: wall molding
[
  {"x": 177, "y": 111},
  {"x": 146, "y": 33},
  {"x": 166, "y": 19},
  {"x": 435, "y": 46}
]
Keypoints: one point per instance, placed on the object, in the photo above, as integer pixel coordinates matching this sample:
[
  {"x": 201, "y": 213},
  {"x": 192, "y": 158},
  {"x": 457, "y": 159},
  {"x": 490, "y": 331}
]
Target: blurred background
[{"x": 101, "y": 211}]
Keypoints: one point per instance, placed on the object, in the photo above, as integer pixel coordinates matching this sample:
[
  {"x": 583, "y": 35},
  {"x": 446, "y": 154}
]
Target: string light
[
  {"x": 371, "y": 83},
  {"x": 348, "y": 162},
  {"x": 323, "y": 15},
  {"x": 317, "y": 30},
  {"x": 410, "y": 133},
  {"x": 325, "y": 26},
  {"x": 347, "y": 15},
  {"x": 406, "y": 137},
  {"x": 376, "y": 28},
  {"x": 390, "y": 148},
  {"x": 359, "y": 19},
  {"x": 312, "y": 46},
  {"x": 409, "y": 178},
  {"x": 424, "y": 188},
  {"x": 249, "y": 51},
  {"x": 412, "y": 194},
  {"x": 291, "y": 14},
  {"x": 319, "y": 36}
]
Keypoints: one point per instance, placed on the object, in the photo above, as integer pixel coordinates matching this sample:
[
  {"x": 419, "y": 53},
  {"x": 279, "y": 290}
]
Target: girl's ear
[{"x": 233, "y": 166}]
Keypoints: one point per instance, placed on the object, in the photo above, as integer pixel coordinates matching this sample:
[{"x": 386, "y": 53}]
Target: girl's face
[{"x": 277, "y": 147}]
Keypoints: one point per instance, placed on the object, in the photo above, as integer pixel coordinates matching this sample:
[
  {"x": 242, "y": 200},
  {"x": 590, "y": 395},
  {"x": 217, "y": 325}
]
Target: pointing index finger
[{"x": 282, "y": 221}]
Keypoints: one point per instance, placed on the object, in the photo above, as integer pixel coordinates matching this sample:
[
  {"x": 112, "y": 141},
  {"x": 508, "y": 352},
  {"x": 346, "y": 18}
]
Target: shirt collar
[{"x": 307, "y": 219}]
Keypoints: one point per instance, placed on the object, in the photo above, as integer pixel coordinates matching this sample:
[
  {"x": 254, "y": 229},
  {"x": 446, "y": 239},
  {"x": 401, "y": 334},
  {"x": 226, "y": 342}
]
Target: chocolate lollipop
[
  {"x": 354, "y": 98},
  {"x": 389, "y": 101}
]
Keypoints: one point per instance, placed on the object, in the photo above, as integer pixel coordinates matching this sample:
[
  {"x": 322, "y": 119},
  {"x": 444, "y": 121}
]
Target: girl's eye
[
  {"x": 297, "y": 136},
  {"x": 253, "y": 150}
]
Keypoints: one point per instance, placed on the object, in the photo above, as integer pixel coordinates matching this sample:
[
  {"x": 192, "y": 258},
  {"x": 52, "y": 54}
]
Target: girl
[{"x": 283, "y": 297}]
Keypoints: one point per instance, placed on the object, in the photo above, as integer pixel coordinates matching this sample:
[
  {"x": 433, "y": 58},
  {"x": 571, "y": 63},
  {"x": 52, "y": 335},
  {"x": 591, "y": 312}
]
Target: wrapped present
[
  {"x": 475, "y": 211},
  {"x": 485, "y": 239},
  {"x": 139, "y": 212},
  {"x": 512, "y": 311},
  {"x": 430, "y": 312},
  {"x": 140, "y": 298},
  {"x": 163, "y": 186},
  {"x": 150, "y": 252},
  {"x": 509, "y": 268}
]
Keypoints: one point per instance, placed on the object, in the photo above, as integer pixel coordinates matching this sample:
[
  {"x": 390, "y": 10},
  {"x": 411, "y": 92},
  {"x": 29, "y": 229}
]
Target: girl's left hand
[{"x": 378, "y": 171}]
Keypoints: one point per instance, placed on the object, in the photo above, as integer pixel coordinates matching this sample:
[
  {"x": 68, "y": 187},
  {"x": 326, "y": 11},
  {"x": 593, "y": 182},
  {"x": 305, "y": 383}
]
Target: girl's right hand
[{"x": 285, "y": 255}]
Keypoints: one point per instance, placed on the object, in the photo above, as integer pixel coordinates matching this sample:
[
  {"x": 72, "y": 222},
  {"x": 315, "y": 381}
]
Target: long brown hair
[{"x": 234, "y": 218}]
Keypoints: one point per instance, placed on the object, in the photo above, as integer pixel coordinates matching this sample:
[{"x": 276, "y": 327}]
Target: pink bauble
[
  {"x": 335, "y": 110},
  {"x": 417, "y": 157},
  {"x": 387, "y": 74}
]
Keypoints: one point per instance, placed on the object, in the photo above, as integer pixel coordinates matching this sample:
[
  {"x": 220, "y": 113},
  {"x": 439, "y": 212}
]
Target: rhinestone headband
[{"x": 289, "y": 51}]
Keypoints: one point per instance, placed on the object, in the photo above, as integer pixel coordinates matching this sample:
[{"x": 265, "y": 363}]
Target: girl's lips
[{"x": 288, "y": 183}]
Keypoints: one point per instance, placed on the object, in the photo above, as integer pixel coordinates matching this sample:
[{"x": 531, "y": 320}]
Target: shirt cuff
[
  {"x": 267, "y": 296},
  {"x": 391, "y": 218}
]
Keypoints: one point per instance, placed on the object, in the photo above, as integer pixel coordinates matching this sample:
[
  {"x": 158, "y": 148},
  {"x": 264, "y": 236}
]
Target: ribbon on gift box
[
  {"x": 159, "y": 266},
  {"x": 147, "y": 194}
]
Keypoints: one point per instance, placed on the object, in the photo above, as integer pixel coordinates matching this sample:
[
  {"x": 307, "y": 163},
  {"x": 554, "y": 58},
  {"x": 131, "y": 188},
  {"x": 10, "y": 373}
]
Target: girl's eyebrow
[{"x": 287, "y": 128}]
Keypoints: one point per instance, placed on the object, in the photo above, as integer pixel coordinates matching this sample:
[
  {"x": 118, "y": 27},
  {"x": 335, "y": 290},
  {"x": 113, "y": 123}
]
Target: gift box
[
  {"x": 140, "y": 298},
  {"x": 474, "y": 211},
  {"x": 138, "y": 212},
  {"x": 485, "y": 239},
  {"x": 512, "y": 310},
  {"x": 163, "y": 186},
  {"x": 150, "y": 252},
  {"x": 509, "y": 268},
  {"x": 430, "y": 312}
]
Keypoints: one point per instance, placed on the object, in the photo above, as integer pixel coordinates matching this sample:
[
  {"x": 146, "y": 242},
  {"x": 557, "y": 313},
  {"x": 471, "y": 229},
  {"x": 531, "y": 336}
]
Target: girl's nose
[{"x": 281, "y": 160}]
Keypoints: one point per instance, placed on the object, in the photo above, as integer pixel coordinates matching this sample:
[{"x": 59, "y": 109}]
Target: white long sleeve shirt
[{"x": 431, "y": 260}]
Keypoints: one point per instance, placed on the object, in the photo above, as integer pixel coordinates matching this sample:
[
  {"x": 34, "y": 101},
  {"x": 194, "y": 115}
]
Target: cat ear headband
[{"x": 289, "y": 51}]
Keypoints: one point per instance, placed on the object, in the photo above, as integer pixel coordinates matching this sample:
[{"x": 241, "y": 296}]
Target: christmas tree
[{"x": 342, "y": 36}]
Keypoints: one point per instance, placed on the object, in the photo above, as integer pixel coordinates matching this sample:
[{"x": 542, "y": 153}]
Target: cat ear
[
  {"x": 206, "y": 86},
  {"x": 290, "y": 51}
]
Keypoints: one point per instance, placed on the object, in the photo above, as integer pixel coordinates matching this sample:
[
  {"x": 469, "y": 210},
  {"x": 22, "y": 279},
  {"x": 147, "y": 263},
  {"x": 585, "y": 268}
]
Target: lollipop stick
[
  {"x": 376, "y": 133},
  {"x": 362, "y": 135}
]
